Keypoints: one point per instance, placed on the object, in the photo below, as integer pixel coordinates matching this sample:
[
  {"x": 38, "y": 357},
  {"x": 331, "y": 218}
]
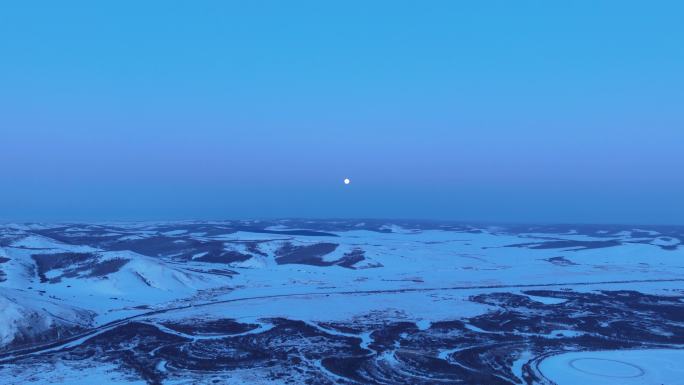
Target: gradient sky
[{"x": 515, "y": 111}]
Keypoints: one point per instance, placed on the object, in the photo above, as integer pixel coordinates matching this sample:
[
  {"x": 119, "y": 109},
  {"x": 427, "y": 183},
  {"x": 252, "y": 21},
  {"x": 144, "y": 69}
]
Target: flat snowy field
[
  {"x": 627, "y": 367},
  {"x": 340, "y": 302}
]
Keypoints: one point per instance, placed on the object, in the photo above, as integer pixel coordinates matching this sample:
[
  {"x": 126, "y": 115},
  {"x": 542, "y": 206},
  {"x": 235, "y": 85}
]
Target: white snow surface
[
  {"x": 624, "y": 367},
  {"x": 408, "y": 274},
  {"x": 23, "y": 315}
]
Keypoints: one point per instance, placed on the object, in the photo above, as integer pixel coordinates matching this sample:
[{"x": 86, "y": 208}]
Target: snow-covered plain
[
  {"x": 626, "y": 367},
  {"x": 355, "y": 301}
]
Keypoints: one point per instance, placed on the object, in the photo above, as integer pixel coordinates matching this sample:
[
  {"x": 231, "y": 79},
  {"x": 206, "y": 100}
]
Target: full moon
[{"x": 346, "y": 181}]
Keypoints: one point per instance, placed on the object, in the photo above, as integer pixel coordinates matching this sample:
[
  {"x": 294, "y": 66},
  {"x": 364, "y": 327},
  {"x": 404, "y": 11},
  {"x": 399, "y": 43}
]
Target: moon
[{"x": 347, "y": 181}]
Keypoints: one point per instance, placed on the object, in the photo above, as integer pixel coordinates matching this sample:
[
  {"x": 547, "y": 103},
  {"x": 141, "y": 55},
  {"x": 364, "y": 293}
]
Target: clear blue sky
[{"x": 523, "y": 111}]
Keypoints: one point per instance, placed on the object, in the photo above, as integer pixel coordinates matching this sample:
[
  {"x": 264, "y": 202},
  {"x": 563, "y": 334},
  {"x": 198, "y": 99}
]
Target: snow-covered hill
[{"x": 28, "y": 319}]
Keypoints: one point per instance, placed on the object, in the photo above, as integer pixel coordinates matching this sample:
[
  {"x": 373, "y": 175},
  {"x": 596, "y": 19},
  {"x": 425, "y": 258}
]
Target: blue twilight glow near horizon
[{"x": 526, "y": 111}]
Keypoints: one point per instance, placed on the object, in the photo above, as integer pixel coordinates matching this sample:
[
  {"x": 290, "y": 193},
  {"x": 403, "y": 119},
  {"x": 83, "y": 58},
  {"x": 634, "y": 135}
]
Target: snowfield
[
  {"x": 340, "y": 302},
  {"x": 627, "y": 367}
]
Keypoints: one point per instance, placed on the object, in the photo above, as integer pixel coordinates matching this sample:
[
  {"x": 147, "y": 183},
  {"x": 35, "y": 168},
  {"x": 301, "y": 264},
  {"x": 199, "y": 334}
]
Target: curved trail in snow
[{"x": 79, "y": 338}]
